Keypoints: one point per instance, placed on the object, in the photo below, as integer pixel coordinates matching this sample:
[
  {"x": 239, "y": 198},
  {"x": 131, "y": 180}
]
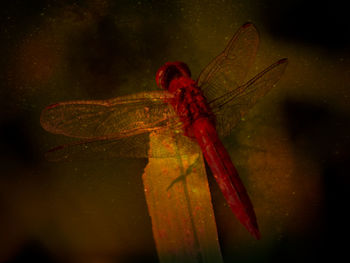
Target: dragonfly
[{"x": 201, "y": 111}]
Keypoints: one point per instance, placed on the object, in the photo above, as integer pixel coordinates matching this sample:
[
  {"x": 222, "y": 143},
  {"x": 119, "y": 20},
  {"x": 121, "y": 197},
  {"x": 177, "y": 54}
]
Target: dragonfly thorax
[{"x": 189, "y": 102}]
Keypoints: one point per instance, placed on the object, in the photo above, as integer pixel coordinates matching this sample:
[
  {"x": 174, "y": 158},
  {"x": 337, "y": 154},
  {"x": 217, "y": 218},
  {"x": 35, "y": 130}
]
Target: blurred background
[{"x": 292, "y": 150}]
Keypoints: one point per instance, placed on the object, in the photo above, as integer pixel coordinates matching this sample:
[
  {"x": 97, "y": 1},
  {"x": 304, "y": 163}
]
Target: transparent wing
[
  {"x": 134, "y": 145},
  {"x": 228, "y": 70},
  {"x": 108, "y": 118},
  {"x": 118, "y": 127},
  {"x": 231, "y": 107}
]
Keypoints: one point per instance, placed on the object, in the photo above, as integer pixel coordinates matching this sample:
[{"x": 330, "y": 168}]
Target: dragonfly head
[{"x": 170, "y": 71}]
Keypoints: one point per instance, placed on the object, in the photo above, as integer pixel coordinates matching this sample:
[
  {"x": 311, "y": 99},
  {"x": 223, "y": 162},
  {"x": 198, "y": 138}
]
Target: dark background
[{"x": 292, "y": 150}]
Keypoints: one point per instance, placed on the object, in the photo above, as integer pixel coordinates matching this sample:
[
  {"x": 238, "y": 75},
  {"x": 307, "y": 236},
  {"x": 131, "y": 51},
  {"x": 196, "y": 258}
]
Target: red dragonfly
[{"x": 202, "y": 110}]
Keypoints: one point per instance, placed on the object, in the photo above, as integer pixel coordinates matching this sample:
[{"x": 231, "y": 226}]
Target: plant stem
[{"x": 179, "y": 203}]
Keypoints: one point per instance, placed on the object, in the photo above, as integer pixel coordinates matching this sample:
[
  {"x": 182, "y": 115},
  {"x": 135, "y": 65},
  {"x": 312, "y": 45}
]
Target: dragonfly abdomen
[{"x": 225, "y": 174}]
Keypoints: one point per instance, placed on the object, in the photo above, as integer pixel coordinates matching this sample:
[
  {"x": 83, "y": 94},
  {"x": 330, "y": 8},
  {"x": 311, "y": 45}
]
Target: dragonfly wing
[
  {"x": 230, "y": 108},
  {"x": 102, "y": 148},
  {"x": 101, "y": 118},
  {"x": 135, "y": 145},
  {"x": 173, "y": 144},
  {"x": 118, "y": 127},
  {"x": 229, "y": 69}
]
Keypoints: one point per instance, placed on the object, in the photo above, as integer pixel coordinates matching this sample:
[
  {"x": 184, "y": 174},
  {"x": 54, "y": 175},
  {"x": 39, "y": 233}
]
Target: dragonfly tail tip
[{"x": 256, "y": 233}]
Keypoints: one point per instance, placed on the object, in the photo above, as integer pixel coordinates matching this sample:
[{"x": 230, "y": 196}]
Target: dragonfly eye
[{"x": 170, "y": 71}]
